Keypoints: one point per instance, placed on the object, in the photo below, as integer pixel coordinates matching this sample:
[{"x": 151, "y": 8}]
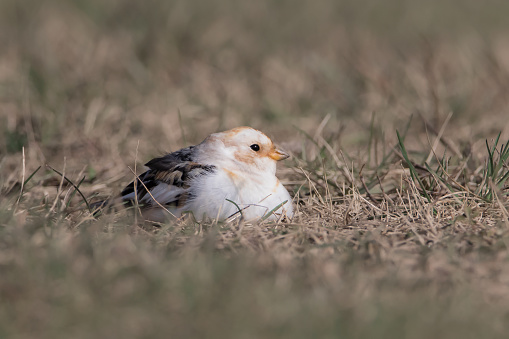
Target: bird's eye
[{"x": 255, "y": 147}]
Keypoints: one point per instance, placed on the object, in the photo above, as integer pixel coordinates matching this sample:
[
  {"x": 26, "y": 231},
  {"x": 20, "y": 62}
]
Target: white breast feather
[{"x": 254, "y": 198}]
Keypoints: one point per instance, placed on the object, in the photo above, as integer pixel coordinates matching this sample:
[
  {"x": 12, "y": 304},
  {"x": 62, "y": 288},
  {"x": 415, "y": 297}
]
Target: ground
[{"x": 395, "y": 114}]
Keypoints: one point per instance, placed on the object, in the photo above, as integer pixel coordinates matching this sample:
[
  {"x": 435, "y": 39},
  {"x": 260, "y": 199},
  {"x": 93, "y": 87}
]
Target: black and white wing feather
[{"x": 168, "y": 180}]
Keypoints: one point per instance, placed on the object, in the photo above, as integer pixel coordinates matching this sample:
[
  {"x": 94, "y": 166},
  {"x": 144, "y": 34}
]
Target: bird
[{"x": 229, "y": 174}]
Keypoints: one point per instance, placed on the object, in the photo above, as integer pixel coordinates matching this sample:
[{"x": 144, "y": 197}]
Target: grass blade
[
  {"x": 413, "y": 171},
  {"x": 74, "y": 192},
  {"x": 70, "y": 182},
  {"x": 31, "y": 176},
  {"x": 273, "y": 210},
  {"x": 238, "y": 207}
]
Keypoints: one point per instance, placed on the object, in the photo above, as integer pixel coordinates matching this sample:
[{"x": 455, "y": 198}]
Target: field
[{"x": 396, "y": 117}]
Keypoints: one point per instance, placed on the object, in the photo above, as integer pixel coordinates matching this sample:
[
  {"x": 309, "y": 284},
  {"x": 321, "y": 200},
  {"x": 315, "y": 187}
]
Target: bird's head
[{"x": 248, "y": 147}]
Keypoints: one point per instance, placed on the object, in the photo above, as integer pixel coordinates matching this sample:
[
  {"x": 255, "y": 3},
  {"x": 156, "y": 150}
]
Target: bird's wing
[{"x": 168, "y": 180}]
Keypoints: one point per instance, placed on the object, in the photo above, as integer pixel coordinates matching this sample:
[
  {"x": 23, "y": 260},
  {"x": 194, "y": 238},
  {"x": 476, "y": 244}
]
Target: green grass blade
[
  {"x": 489, "y": 169},
  {"x": 502, "y": 180},
  {"x": 31, "y": 176},
  {"x": 273, "y": 210},
  {"x": 438, "y": 177},
  {"x": 413, "y": 171},
  {"x": 70, "y": 182},
  {"x": 75, "y": 191},
  {"x": 239, "y": 209}
]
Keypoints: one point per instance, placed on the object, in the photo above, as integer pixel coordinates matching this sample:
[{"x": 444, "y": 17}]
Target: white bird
[{"x": 228, "y": 174}]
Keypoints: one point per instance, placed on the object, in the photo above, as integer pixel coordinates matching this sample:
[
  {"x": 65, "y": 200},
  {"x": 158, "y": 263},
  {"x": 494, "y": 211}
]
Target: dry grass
[{"x": 396, "y": 238}]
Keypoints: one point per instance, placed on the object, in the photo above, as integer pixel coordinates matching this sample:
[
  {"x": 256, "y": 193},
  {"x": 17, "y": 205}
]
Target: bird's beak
[{"x": 278, "y": 154}]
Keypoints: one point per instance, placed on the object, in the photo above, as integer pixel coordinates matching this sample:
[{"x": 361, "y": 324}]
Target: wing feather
[{"x": 168, "y": 180}]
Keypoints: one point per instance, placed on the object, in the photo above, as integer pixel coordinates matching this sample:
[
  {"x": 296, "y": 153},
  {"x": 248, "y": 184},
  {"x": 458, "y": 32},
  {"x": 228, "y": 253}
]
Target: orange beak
[{"x": 278, "y": 154}]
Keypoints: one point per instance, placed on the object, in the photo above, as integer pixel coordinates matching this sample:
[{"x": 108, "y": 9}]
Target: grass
[
  {"x": 396, "y": 119},
  {"x": 496, "y": 171}
]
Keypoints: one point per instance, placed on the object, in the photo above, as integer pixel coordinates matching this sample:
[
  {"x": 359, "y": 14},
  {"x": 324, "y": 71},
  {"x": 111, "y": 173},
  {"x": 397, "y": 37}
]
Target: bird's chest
[
  {"x": 249, "y": 187},
  {"x": 223, "y": 193},
  {"x": 241, "y": 187}
]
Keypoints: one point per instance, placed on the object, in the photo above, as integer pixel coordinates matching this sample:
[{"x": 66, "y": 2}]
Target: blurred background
[{"x": 92, "y": 78}]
